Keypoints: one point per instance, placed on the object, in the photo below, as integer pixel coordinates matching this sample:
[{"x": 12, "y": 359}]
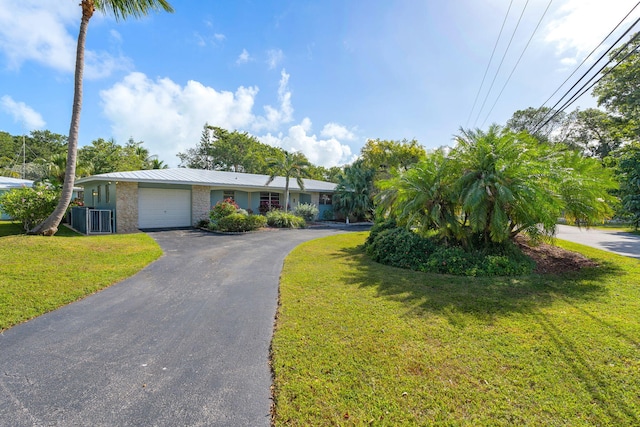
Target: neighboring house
[
  {"x": 166, "y": 198},
  {"x": 7, "y": 184}
]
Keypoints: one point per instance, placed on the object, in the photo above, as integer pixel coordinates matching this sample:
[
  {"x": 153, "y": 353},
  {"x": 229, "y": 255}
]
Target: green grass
[
  {"x": 358, "y": 343},
  {"x": 39, "y": 274}
]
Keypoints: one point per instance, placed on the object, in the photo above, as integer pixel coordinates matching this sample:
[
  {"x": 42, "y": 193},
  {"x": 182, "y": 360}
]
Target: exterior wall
[
  {"x": 200, "y": 203},
  {"x": 216, "y": 196},
  {"x": 126, "y": 207},
  {"x": 242, "y": 199}
]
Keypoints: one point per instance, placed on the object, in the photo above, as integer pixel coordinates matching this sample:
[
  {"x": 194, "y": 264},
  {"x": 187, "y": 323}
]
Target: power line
[
  {"x": 591, "y": 53},
  {"x": 504, "y": 21},
  {"x": 552, "y": 109},
  {"x": 501, "y": 62},
  {"x": 517, "y": 62},
  {"x": 582, "y": 90}
]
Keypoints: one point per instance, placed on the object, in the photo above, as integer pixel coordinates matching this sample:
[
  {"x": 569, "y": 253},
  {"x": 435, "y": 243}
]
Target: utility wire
[
  {"x": 552, "y": 109},
  {"x": 501, "y": 62},
  {"x": 517, "y": 62},
  {"x": 504, "y": 21},
  {"x": 582, "y": 90},
  {"x": 591, "y": 53}
]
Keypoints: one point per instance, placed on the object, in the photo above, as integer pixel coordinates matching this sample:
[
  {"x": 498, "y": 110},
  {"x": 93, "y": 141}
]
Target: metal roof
[
  {"x": 7, "y": 183},
  {"x": 208, "y": 178}
]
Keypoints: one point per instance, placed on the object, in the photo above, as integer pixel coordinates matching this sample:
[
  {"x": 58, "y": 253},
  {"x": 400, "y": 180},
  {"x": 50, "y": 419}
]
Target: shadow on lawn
[
  {"x": 9, "y": 228},
  {"x": 482, "y": 297},
  {"x": 486, "y": 299}
]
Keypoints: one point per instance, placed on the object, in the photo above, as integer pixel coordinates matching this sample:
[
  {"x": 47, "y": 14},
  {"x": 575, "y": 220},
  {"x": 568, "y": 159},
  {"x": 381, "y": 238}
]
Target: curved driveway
[
  {"x": 609, "y": 240},
  {"x": 184, "y": 342}
]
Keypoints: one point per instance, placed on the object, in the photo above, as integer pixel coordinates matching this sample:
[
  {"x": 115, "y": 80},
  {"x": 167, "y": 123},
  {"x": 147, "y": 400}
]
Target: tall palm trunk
[{"x": 50, "y": 225}]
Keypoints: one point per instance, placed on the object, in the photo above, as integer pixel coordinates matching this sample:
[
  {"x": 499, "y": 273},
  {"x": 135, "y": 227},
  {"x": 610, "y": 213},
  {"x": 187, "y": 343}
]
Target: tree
[
  {"x": 289, "y": 165},
  {"x": 219, "y": 149},
  {"x": 120, "y": 9},
  {"x": 108, "y": 156},
  {"x": 629, "y": 173},
  {"x": 618, "y": 90},
  {"x": 543, "y": 123},
  {"x": 384, "y": 156},
  {"x": 595, "y": 133},
  {"x": 353, "y": 194},
  {"x": 497, "y": 184}
]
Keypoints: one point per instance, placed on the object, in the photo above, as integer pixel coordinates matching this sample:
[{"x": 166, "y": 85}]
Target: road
[{"x": 626, "y": 244}]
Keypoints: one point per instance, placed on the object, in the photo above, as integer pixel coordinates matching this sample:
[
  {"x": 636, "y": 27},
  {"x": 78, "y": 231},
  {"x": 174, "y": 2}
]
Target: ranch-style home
[{"x": 124, "y": 202}]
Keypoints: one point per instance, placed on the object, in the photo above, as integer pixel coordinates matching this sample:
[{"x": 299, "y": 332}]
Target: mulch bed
[{"x": 552, "y": 259}]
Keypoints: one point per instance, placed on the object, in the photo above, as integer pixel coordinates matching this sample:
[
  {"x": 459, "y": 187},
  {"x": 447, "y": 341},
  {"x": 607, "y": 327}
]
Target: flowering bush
[
  {"x": 222, "y": 209},
  {"x": 268, "y": 207},
  {"x": 227, "y": 216},
  {"x": 29, "y": 205}
]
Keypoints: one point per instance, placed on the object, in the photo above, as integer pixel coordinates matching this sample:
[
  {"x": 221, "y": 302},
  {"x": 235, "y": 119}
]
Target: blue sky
[{"x": 319, "y": 77}]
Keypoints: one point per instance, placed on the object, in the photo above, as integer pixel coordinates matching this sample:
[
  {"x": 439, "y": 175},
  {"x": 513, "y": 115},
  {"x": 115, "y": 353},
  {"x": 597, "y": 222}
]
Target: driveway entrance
[{"x": 183, "y": 342}]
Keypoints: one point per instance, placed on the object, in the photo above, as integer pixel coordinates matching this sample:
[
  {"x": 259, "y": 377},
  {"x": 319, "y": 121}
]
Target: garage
[{"x": 164, "y": 208}]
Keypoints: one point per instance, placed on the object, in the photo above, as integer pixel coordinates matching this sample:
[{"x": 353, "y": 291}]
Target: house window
[
  {"x": 99, "y": 193},
  {"x": 269, "y": 200},
  {"x": 107, "y": 196},
  {"x": 325, "y": 198},
  {"x": 229, "y": 194},
  {"x": 270, "y": 197}
]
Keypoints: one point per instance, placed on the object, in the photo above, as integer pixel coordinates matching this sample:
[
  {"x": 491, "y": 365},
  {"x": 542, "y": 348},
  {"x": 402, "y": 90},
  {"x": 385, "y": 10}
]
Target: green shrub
[
  {"x": 328, "y": 215},
  {"x": 308, "y": 211},
  {"x": 29, "y": 205},
  {"x": 282, "y": 219},
  {"x": 238, "y": 222},
  {"x": 399, "y": 247}
]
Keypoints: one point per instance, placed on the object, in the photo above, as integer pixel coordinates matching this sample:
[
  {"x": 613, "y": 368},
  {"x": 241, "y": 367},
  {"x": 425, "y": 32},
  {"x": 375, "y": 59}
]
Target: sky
[{"x": 321, "y": 77}]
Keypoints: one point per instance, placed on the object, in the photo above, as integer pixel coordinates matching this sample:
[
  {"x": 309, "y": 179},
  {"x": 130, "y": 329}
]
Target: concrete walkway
[
  {"x": 626, "y": 244},
  {"x": 185, "y": 342}
]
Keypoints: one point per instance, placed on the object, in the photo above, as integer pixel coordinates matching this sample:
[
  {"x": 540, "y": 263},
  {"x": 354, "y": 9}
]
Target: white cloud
[
  {"x": 274, "y": 57},
  {"x": 580, "y": 25},
  {"x": 244, "y": 57},
  {"x": 274, "y": 117},
  {"x": 21, "y": 112},
  {"x": 324, "y": 152},
  {"x": 32, "y": 30},
  {"x": 169, "y": 117},
  {"x": 334, "y": 130}
]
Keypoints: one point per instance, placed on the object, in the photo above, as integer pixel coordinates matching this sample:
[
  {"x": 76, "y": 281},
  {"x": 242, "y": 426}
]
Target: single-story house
[
  {"x": 6, "y": 184},
  {"x": 166, "y": 198}
]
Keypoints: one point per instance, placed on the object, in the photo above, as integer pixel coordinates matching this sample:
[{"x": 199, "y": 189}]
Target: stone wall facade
[
  {"x": 200, "y": 203},
  {"x": 126, "y": 207}
]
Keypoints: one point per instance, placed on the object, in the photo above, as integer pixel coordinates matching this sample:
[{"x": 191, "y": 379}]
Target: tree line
[{"x": 42, "y": 156}]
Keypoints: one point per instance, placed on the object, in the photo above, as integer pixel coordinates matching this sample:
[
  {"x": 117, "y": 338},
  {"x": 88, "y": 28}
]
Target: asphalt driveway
[{"x": 184, "y": 342}]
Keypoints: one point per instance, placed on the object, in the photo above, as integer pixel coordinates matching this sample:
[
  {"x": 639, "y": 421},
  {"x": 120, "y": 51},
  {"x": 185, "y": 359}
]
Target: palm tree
[
  {"x": 354, "y": 192},
  {"x": 289, "y": 165},
  {"x": 120, "y": 9}
]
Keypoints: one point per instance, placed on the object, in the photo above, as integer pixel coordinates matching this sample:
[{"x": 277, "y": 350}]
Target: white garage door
[{"x": 160, "y": 208}]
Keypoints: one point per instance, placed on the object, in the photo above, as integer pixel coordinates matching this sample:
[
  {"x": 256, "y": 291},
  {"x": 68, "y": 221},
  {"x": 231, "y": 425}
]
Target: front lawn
[
  {"x": 39, "y": 274},
  {"x": 359, "y": 343}
]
